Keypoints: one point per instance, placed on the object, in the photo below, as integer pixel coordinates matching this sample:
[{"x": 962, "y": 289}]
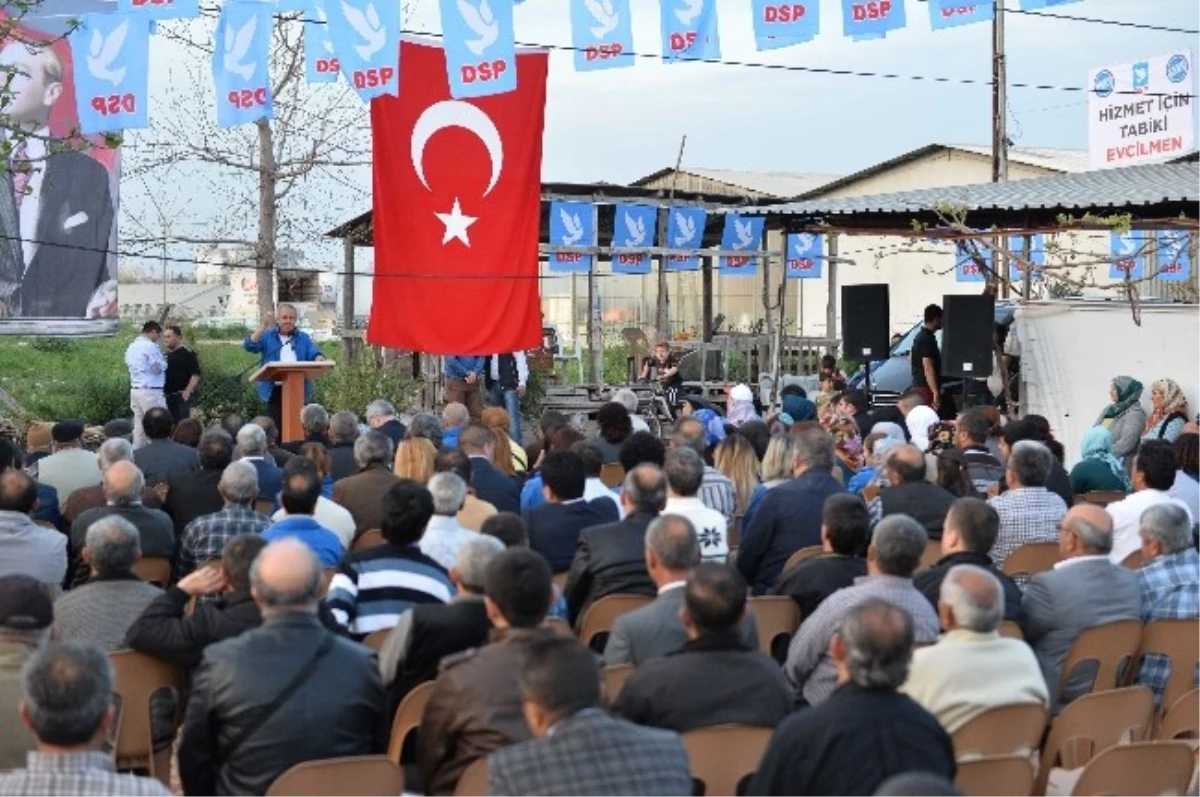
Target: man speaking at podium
[{"x": 278, "y": 340}]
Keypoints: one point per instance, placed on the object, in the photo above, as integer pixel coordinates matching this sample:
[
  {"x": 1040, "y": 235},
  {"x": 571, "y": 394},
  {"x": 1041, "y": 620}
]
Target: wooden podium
[{"x": 292, "y": 376}]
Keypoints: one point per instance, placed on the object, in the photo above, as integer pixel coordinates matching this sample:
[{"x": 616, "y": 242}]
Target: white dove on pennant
[
  {"x": 605, "y": 15},
  {"x": 745, "y": 233},
  {"x": 482, "y": 23},
  {"x": 804, "y": 242},
  {"x": 237, "y": 45},
  {"x": 366, "y": 24},
  {"x": 103, "y": 50},
  {"x": 573, "y": 226},
  {"x": 687, "y": 229},
  {"x": 1129, "y": 243},
  {"x": 323, "y": 19},
  {"x": 636, "y": 228},
  {"x": 689, "y": 10}
]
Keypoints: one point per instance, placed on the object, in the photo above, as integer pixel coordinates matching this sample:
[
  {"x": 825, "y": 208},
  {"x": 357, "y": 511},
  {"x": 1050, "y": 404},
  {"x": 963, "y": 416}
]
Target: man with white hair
[
  {"x": 343, "y": 431},
  {"x": 629, "y": 400},
  {"x": 1169, "y": 580},
  {"x": 205, "y": 537},
  {"x": 360, "y": 493},
  {"x": 1028, "y": 511},
  {"x": 455, "y": 418},
  {"x": 381, "y": 416},
  {"x": 426, "y": 634},
  {"x": 253, "y": 446},
  {"x": 123, "y": 486},
  {"x": 443, "y": 536},
  {"x": 972, "y": 668},
  {"x": 110, "y": 452}
]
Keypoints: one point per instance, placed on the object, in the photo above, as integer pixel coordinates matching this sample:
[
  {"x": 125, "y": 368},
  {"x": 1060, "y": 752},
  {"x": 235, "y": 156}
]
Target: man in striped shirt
[{"x": 373, "y": 587}]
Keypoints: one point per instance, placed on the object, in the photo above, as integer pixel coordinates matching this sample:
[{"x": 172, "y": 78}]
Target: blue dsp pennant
[
  {"x": 966, "y": 269},
  {"x": 601, "y": 34},
  {"x": 241, "y": 52},
  {"x": 1033, "y": 5},
  {"x": 1036, "y": 256},
  {"x": 366, "y": 43},
  {"x": 685, "y": 230},
  {"x": 955, "y": 13},
  {"x": 783, "y": 24},
  {"x": 805, "y": 256},
  {"x": 320, "y": 58},
  {"x": 112, "y": 72},
  {"x": 633, "y": 228},
  {"x": 871, "y": 19},
  {"x": 160, "y": 9},
  {"x": 1174, "y": 256},
  {"x": 689, "y": 30},
  {"x": 1127, "y": 251},
  {"x": 742, "y": 233},
  {"x": 571, "y": 225},
  {"x": 481, "y": 51}
]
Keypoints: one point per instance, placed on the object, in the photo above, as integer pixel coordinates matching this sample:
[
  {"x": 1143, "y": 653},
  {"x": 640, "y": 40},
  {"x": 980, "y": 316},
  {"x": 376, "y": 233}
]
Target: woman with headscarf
[
  {"x": 920, "y": 420},
  {"x": 847, "y": 446},
  {"x": 741, "y": 406},
  {"x": 714, "y": 425},
  {"x": 1124, "y": 417},
  {"x": 1099, "y": 469},
  {"x": 1170, "y": 412}
]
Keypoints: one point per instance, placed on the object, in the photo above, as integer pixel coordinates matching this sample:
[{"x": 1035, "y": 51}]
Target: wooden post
[
  {"x": 831, "y": 331},
  {"x": 594, "y": 343},
  {"x": 350, "y": 341}
]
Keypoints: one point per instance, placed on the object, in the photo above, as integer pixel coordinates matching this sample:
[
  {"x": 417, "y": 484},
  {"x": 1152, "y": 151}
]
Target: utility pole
[
  {"x": 999, "y": 98},
  {"x": 662, "y": 316}
]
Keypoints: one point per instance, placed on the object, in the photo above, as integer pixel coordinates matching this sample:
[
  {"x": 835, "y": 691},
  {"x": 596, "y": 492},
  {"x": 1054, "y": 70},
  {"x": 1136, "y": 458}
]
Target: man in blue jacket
[
  {"x": 278, "y": 340},
  {"x": 464, "y": 383}
]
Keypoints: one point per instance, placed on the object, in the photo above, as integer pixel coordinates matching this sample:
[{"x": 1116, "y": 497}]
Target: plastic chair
[
  {"x": 1093, "y": 723},
  {"x": 559, "y": 580},
  {"x": 1141, "y": 768},
  {"x": 264, "y": 506},
  {"x": 870, "y": 492},
  {"x": 600, "y": 616},
  {"x": 155, "y": 569},
  {"x": 1179, "y": 641},
  {"x": 932, "y": 555},
  {"x": 368, "y": 539},
  {"x": 474, "y": 779},
  {"x": 136, "y": 677},
  {"x": 1015, "y": 729},
  {"x": 613, "y": 678},
  {"x": 559, "y": 626},
  {"x": 995, "y": 775},
  {"x": 1100, "y": 497},
  {"x": 1133, "y": 561},
  {"x": 1182, "y": 718},
  {"x": 775, "y": 616},
  {"x": 803, "y": 555},
  {"x": 1031, "y": 558},
  {"x": 722, "y": 756},
  {"x": 408, "y": 718},
  {"x": 350, "y": 776},
  {"x": 1111, "y": 646},
  {"x": 612, "y": 475},
  {"x": 1011, "y": 630},
  {"x": 375, "y": 639}
]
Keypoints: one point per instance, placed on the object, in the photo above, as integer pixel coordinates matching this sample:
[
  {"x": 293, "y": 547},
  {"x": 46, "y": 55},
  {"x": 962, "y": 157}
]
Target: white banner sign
[{"x": 1141, "y": 112}]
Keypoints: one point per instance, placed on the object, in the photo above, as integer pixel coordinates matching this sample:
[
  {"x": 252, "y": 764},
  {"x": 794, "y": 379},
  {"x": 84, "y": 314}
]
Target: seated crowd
[{"x": 306, "y": 590}]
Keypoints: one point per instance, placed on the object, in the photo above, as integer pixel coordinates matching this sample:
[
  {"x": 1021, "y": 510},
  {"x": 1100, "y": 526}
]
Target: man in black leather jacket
[{"x": 239, "y": 735}]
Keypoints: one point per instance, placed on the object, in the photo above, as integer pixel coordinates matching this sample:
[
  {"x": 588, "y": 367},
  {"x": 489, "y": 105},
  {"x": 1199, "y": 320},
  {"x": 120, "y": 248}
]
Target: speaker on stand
[
  {"x": 968, "y": 324},
  {"x": 865, "y": 324}
]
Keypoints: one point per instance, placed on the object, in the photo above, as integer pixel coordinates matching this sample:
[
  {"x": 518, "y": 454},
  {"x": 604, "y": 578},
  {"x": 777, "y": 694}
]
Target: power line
[{"x": 1113, "y": 22}]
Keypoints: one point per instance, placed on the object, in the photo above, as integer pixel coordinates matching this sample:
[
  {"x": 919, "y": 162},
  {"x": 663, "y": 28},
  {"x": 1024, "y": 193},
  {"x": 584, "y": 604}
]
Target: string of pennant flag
[
  {"x": 358, "y": 40},
  {"x": 1129, "y": 253}
]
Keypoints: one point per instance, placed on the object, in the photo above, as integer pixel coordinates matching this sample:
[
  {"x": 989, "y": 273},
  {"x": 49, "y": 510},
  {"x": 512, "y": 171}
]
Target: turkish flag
[{"x": 457, "y": 200}]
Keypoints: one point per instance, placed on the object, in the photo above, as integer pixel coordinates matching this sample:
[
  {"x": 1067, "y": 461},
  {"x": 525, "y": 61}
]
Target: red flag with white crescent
[{"x": 457, "y": 205}]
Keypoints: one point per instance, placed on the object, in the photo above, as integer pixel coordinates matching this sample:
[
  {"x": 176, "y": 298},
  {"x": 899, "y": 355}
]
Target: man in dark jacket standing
[{"x": 287, "y": 692}]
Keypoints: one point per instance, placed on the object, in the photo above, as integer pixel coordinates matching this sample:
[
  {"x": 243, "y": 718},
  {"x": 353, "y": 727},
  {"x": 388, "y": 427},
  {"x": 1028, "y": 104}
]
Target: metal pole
[
  {"x": 662, "y": 317},
  {"x": 831, "y": 307},
  {"x": 593, "y": 333},
  {"x": 999, "y": 98},
  {"x": 348, "y": 298}
]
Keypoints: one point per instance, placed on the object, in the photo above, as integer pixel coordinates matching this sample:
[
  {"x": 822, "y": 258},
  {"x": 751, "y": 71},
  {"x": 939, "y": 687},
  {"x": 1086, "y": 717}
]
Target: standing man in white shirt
[
  {"x": 147, "y": 373},
  {"x": 507, "y": 375}
]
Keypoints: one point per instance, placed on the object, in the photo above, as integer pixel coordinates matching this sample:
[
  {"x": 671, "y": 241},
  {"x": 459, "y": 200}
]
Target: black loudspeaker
[
  {"x": 967, "y": 324},
  {"x": 865, "y": 322}
]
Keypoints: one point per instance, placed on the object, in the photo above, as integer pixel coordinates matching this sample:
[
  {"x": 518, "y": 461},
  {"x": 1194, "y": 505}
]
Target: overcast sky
[{"x": 622, "y": 124}]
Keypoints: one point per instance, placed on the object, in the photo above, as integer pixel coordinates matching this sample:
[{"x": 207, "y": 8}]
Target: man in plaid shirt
[
  {"x": 205, "y": 537},
  {"x": 1170, "y": 581},
  {"x": 1028, "y": 511}
]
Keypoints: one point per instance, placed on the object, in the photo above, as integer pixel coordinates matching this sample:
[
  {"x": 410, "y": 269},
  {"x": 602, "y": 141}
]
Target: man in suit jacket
[
  {"x": 611, "y": 559},
  {"x": 343, "y": 431},
  {"x": 578, "y": 748},
  {"x": 381, "y": 416},
  {"x": 1083, "y": 590},
  {"x": 196, "y": 493},
  {"x": 56, "y": 209},
  {"x": 553, "y": 527},
  {"x": 671, "y": 550},
  {"x": 161, "y": 458},
  {"x": 362, "y": 493},
  {"x": 489, "y": 483},
  {"x": 252, "y": 445}
]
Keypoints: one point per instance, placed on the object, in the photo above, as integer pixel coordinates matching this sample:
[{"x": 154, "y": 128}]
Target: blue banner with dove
[
  {"x": 778, "y": 23},
  {"x": 320, "y": 60},
  {"x": 742, "y": 233},
  {"x": 871, "y": 19},
  {"x": 112, "y": 72},
  {"x": 366, "y": 42},
  {"x": 966, "y": 262},
  {"x": 159, "y": 9},
  {"x": 633, "y": 228},
  {"x": 571, "y": 225},
  {"x": 955, "y": 13},
  {"x": 1174, "y": 256},
  {"x": 240, "y": 56},
  {"x": 481, "y": 52},
  {"x": 1127, "y": 250},
  {"x": 805, "y": 256},
  {"x": 601, "y": 34},
  {"x": 689, "y": 30},
  {"x": 685, "y": 230},
  {"x": 1035, "y": 257}
]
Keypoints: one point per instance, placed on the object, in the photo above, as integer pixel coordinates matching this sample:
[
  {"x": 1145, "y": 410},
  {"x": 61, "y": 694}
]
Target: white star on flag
[{"x": 456, "y": 224}]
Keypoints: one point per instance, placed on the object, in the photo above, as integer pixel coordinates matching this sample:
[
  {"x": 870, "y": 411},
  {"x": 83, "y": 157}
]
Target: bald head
[
  {"x": 908, "y": 463},
  {"x": 285, "y": 577},
  {"x": 973, "y": 599},
  {"x": 1087, "y": 531},
  {"x": 123, "y": 483}
]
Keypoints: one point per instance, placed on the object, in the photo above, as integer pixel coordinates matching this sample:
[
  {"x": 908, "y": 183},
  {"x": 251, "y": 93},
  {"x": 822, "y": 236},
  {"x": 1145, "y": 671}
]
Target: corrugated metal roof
[
  {"x": 1114, "y": 189},
  {"x": 1060, "y": 160},
  {"x": 777, "y": 184}
]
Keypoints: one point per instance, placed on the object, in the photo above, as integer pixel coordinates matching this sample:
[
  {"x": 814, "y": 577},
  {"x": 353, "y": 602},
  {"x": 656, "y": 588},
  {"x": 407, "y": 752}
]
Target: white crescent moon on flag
[{"x": 455, "y": 113}]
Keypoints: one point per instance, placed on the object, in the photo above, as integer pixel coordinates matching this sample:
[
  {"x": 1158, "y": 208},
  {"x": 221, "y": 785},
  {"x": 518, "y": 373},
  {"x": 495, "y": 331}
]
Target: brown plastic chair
[
  {"x": 559, "y": 626},
  {"x": 474, "y": 780},
  {"x": 1112, "y": 646},
  {"x": 600, "y": 616},
  {"x": 774, "y": 616},
  {"x": 1179, "y": 641},
  {"x": 368, "y": 539},
  {"x": 1031, "y": 558},
  {"x": 1100, "y": 497},
  {"x": 1015, "y": 729},
  {"x": 613, "y": 678},
  {"x": 375, "y": 639},
  {"x": 1141, "y": 768},
  {"x": 350, "y": 776},
  {"x": 870, "y": 492},
  {"x": 264, "y": 506},
  {"x": 995, "y": 775},
  {"x": 1011, "y": 630},
  {"x": 1133, "y": 561},
  {"x": 155, "y": 569},
  {"x": 722, "y": 756},
  {"x": 612, "y": 475},
  {"x": 560, "y": 580},
  {"x": 803, "y": 555},
  {"x": 1093, "y": 723},
  {"x": 932, "y": 555},
  {"x": 1182, "y": 718},
  {"x": 408, "y": 718},
  {"x": 136, "y": 677}
]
